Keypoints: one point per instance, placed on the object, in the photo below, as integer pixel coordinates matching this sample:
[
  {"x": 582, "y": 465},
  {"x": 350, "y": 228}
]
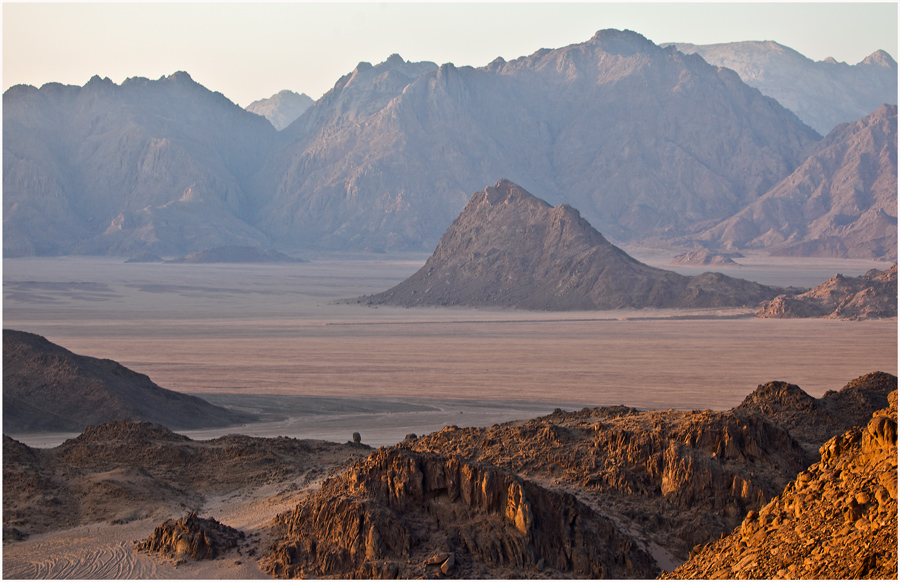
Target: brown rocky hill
[
  {"x": 704, "y": 257},
  {"x": 191, "y": 536},
  {"x": 126, "y": 470},
  {"x": 841, "y": 202},
  {"x": 47, "y": 388},
  {"x": 510, "y": 249},
  {"x": 403, "y": 514},
  {"x": 836, "y": 520},
  {"x": 869, "y": 296}
]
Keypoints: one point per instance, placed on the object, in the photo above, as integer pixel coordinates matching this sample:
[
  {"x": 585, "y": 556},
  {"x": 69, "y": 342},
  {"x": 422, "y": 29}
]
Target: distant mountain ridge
[
  {"x": 823, "y": 94},
  {"x": 653, "y": 146},
  {"x": 282, "y": 108},
  {"x": 510, "y": 249}
]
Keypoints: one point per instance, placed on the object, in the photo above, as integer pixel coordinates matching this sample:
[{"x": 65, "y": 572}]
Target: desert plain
[{"x": 276, "y": 340}]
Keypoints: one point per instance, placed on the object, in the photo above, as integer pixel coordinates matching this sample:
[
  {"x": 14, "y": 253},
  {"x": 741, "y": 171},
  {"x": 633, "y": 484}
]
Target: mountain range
[
  {"x": 652, "y": 145},
  {"x": 282, "y": 108}
]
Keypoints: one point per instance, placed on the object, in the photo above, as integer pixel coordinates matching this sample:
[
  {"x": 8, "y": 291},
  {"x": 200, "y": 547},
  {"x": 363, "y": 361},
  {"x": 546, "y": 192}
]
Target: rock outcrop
[
  {"x": 47, "y": 388},
  {"x": 836, "y": 520},
  {"x": 510, "y": 249},
  {"x": 191, "y": 537},
  {"x": 869, "y": 296},
  {"x": 403, "y": 514}
]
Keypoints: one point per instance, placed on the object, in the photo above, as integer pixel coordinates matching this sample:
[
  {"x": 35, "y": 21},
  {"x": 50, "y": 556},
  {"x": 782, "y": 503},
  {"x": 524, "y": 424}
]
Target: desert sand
[{"x": 232, "y": 333}]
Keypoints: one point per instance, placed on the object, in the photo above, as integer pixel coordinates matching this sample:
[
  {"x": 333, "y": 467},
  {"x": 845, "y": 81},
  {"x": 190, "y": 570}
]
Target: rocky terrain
[
  {"x": 668, "y": 480},
  {"x": 403, "y": 514},
  {"x": 823, "y": 94},
  {"x": 47, "y": 388},
  {"x": 282, "y": 108},
  {"x": 648, "y": 142},
  {"x": 841, "y": 202},
  {"x": 126, "y": 470},
  {"x": 869, "y": 296},
  {"x": 837, "y": 519},
  {"x": 510, "y": 249},
  {"x": 600, "y": 492},
  {"x": 236, "y": 254}
]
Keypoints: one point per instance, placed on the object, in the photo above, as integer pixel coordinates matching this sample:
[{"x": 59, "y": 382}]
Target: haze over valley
[{"x": 613, "y": 309}]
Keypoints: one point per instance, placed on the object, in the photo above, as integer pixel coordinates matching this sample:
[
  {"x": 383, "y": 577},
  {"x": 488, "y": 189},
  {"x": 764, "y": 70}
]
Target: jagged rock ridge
[
  {"x": 823, "y": 94},
  {"x": 836, "y": 520},
  {"x": 841, "y": 202},
  {"x": 869, "y": 296},
  {"x": 399, "y": 512},
  {"x": 510, "y": 249},
  {"x": 47, "y": 388}
]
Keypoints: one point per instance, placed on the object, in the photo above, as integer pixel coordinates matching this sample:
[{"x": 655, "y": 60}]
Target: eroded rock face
[
  {"x": 404, "y": 514},
  {"x": 870, "y": 296},
  {"x": 837, "y": 520},
  {"x": 191, "y": 536}
]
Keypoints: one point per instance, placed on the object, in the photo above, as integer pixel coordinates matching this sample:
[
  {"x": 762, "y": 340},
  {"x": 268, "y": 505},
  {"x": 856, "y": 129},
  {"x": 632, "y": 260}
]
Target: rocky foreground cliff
[
  {"x": 655, "y": 483},
  {"x": 836, "y": 520},
  {"x": 510, "y": 249}
]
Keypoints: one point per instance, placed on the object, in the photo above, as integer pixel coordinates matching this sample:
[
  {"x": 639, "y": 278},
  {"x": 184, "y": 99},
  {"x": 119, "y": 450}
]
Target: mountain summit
[{"x": 510, "y": 249}]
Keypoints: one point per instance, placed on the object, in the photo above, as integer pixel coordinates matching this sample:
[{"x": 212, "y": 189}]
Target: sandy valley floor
[{"x": 271, "y": 338}]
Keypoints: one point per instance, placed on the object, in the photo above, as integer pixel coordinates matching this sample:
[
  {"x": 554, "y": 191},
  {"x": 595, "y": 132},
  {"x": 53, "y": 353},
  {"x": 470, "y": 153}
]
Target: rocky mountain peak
[{"x": 881, "y": 59}]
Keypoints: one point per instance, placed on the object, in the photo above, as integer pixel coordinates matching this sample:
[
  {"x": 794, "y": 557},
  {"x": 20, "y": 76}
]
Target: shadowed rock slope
[
  {"x": 836, "y": 520},
  {"x": 869, "y": 296},
  {"x": 126, "y": 470},
  {"x": 47, "y": 388},
  {"x": 403, "y": 514},
  {"x": 510, "y": 249}
]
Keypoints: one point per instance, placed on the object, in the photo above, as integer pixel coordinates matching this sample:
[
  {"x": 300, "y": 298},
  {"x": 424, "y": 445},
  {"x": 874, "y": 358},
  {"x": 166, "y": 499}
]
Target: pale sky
[{"x": 252, "y": 51}]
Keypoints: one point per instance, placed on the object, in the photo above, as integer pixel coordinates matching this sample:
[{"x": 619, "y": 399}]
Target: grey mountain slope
[
  {"x": 282, "y": 108},
  {"x": 158, "y": 166},
  {"x": 822, "y": 93},
  {"x": 510, "y": 249},
  {"x": 646, "y": 141},
  {"x": 47, "y": 388},
  {"x": 841, "y": 202}
]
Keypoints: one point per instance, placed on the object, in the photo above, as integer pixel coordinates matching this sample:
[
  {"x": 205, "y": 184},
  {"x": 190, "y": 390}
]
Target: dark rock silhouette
[{"x": 47, "y": 388}]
